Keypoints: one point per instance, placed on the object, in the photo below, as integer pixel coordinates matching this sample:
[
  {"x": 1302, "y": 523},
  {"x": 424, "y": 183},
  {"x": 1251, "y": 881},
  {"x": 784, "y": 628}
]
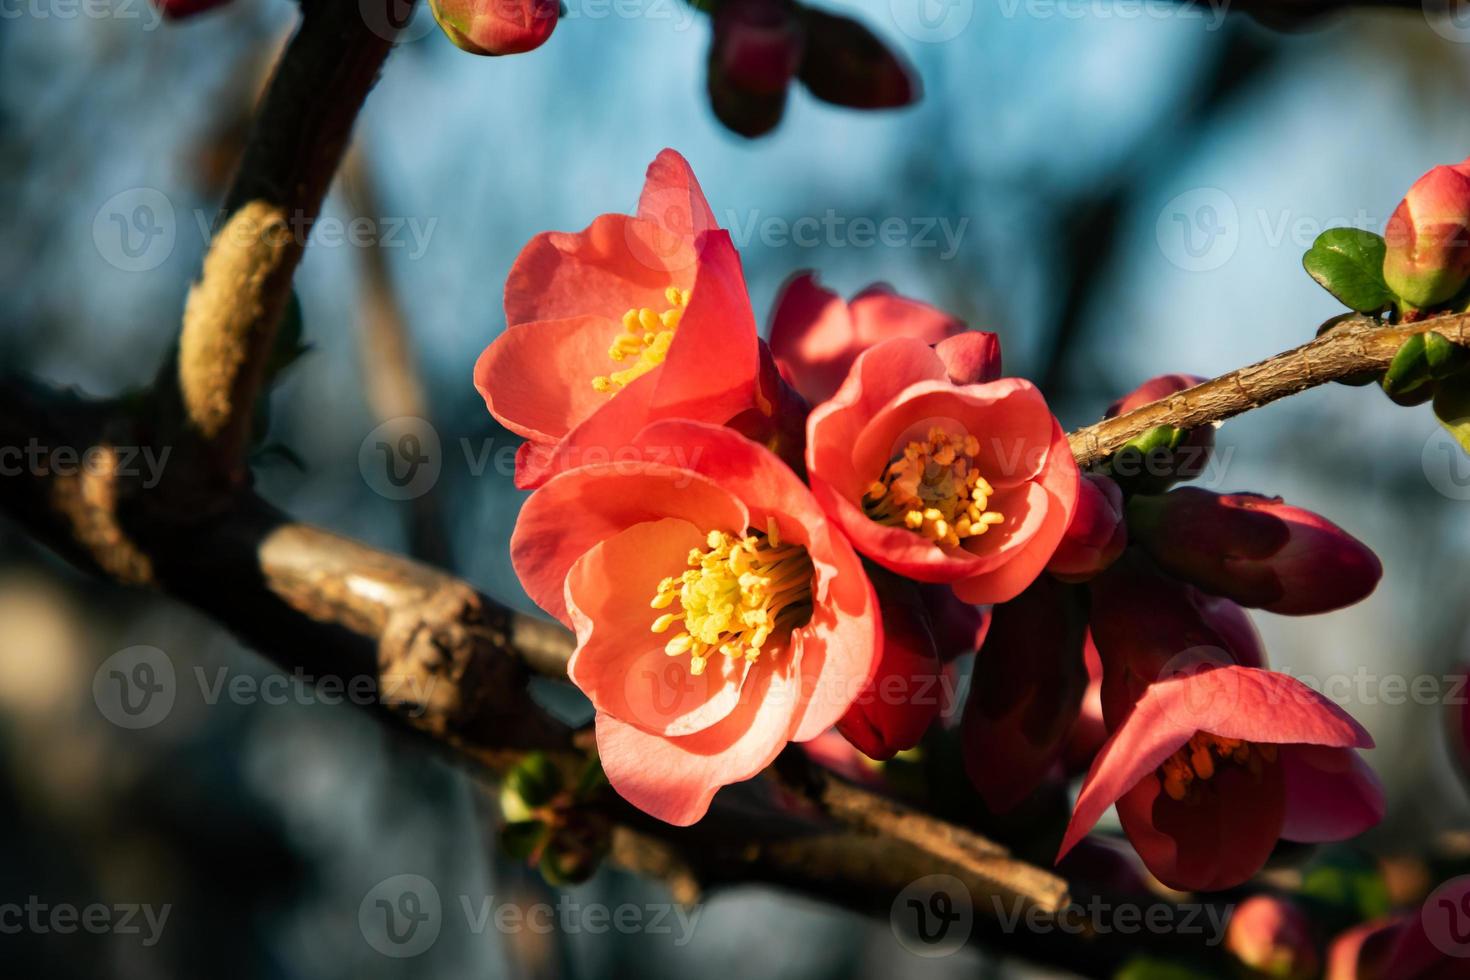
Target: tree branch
[
  {"x": 294, "y": 148},
  {"x": 1355, "y": 346}
]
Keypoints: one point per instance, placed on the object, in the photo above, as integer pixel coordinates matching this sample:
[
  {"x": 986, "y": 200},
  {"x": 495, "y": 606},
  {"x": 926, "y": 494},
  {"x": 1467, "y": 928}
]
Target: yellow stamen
[
  {"x": 646, "y": 335},
  {"x": 1202, "y": 756},
  {"x": 934, "y": 489},
  {"x": 737, "y": 595}
]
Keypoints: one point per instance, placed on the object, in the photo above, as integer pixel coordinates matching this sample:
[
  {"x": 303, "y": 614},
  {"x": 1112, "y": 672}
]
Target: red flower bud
[
  {"x": 1026, "y": 692},
  {"x": 1097, "y": 534},
  {"x": 846, "y": 64},
  {"x": 904, "y": 696},
  {"x": 493, "y": 27},
  {"x": 179, "y": 9},
  {"x": 1272, "y": 936},
  {"x": 1147, "y": 626},
  {"x": 1428, "y": 238},
  {"x": 754, "y": 53},
  {"x": 1255, "y": 550},
  {"x": 959, "y": 628}
]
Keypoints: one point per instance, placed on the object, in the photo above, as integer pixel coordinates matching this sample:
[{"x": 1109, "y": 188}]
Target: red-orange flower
[
  {"x": 718, "y": 614},
  {"x": 940, "y": 475},
  {"x": 632, "y": 320}
]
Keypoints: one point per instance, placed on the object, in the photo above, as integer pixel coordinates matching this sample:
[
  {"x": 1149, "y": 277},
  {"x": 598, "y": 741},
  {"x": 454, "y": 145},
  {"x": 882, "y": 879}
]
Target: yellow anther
[
  {"x": 645, "y": 337},
  {"x": 738, "y": 594},
  {"x": 935, "y": 489},
  {"x": 1200, "y": 758}
]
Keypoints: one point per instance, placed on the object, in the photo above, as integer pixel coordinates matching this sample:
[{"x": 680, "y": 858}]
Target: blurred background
[{"x": 1118, "y": 190}]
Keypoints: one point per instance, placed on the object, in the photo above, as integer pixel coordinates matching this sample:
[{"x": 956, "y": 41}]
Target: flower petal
[
  {"x": 1331, "y": 794},
  {"x": 620, "y": 663},
  {"x": 674, "y": 779}
]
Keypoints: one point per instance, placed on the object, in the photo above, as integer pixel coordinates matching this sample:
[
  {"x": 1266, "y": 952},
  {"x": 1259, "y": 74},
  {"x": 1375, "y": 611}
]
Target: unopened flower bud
[
  {"x": 1272, "y": 936},
  {"x": 1428, "y": 246},
  {"x": 1256, "y": 550},
  {"x": 494, "y": 27},
  {"x": 1097, "y": 534}
]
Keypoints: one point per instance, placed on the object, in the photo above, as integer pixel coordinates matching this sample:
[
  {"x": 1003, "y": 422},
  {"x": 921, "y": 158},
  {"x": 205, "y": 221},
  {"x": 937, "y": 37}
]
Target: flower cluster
[{"x": 758, "y": 542}]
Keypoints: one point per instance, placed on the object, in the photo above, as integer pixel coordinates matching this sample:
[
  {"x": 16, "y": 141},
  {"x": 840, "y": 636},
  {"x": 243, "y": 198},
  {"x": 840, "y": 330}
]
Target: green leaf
[
  {"x": 1348, "y": 263},
  {"x": 534, "y": 780},
  {"x": 1153, "y": 968},
  {"x": 1347, "y": 885},
  {"x": 1452, "y": 408},
  {"x": 522, "y": 837}
]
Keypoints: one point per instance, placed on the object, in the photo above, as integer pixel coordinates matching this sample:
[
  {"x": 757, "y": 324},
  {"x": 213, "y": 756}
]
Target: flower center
[
  {"x": 736, "y": 595},
  {"x": 646, "y": 336},
  {"x": 935, "y": 490},
  {"x": 1202, "y": 755}
]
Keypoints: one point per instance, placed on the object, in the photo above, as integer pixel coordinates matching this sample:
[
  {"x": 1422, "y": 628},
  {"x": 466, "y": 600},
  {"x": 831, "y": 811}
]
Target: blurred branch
[
  {"x": 293, "y": 150},
  {"x": 1357, "y": 345}
]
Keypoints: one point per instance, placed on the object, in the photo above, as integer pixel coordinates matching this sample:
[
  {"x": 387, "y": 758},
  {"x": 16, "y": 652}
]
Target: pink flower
[
  {"x": 816, "y": 335},
  {"x": 718, "y": 614},
  {"x": 1428, "y": 238},
  {"x": 496, "y": 27},
  {"x": 905, "y": 695},
  {"x": 1272, "y": 936},
  {"x": 941, "y": 474},
  {"x": 1213, "y": 766},
  {"x": 1025, "y": 693},
  {"x": 1097, "y": 534},
  {"x": 1255, "y": 550},
  {"x": 632, "y": 320}
]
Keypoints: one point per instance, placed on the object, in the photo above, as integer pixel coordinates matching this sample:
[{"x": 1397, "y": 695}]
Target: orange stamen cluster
[
  {"x": 1203, "y": 754},
  {"x": 936, "y": 490},
  {"x": 646, "y": 336},
  {"x": 737, "y": 595}
]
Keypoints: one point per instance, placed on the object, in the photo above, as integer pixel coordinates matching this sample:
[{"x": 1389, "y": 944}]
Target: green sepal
[
  {"x": 1444, "y": 358},
  {"x": 1408, "y": 372},
  {"x": 1348, "y": 263},
  {"x": 1452, "y": 408}
]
